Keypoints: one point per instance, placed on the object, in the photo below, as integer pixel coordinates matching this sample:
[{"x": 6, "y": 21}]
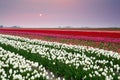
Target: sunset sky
[{"x": 54, "y": 13}]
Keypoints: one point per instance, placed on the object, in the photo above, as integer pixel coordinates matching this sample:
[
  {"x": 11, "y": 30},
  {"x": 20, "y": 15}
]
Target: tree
[{"x": 1, "y": 26}]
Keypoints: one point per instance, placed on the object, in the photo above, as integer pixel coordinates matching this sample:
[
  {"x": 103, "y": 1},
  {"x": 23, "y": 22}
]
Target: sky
[{"x": 55, "y": 13}]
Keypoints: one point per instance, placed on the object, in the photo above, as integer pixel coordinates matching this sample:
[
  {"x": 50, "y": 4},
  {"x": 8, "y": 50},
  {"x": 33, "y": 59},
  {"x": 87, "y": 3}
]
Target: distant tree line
[{"x": 1, "y": 26}]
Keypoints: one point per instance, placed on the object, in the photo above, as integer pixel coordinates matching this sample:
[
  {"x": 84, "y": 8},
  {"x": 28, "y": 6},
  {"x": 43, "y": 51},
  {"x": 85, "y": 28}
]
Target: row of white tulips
[
  {"x": 70, "y": 58},
  {"x": 62, "y": 46},
  {"x": 14, "y": 66}
]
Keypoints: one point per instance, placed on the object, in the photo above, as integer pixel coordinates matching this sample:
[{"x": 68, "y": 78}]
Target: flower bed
[
  {"x": 78, "y": 37},
  {"x": 107, "y": 45},
  {"x": 16, "y": 67},
  {"x": 105, "y": 34},
  {"x": 69, "y": 61}
]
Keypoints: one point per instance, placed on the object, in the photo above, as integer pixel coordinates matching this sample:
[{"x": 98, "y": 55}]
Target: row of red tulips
[
  {"x": 82, "y": 37},
  {"x": 71, "y": 32}
]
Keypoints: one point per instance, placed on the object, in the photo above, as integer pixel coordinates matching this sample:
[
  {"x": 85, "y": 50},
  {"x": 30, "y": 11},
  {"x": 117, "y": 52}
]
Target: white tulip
[{"x": 10, "y": 71}]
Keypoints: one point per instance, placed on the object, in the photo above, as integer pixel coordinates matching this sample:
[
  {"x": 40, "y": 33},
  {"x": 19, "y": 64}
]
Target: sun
[{"x": 40, "y": 14}]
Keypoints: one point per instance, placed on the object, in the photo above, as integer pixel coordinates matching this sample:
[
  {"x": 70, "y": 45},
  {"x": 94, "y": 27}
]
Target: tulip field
[{"x": 23, "y": 56}]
